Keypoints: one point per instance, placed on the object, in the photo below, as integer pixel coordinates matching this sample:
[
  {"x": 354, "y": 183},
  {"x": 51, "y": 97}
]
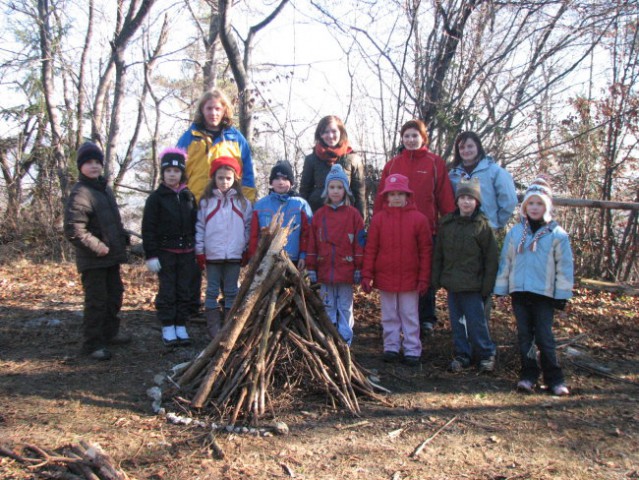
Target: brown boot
[{"x": 213, "y": 322}]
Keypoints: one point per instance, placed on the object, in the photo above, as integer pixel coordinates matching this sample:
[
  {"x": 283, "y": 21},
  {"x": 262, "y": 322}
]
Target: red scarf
[{"x": 331, "y": 154}]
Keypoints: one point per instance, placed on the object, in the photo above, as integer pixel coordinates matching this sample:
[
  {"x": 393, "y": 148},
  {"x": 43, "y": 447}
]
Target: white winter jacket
[{"x": 223, "y": 226}]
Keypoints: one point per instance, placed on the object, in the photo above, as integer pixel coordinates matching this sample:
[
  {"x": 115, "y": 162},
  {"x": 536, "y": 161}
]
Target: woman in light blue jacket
[{"x": 499, "y": 197}]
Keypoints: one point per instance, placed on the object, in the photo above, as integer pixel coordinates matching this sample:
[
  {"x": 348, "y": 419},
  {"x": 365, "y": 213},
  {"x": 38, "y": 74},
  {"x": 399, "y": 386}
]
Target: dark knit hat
[
  {"x": 89, "y": 151},
  {"x": 469, "y": 187},
  {"x": 282, "y": 169},
  {"x": 172, "y": 157}
]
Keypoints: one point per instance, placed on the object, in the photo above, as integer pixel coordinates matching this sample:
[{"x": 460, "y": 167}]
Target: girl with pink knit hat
[{"x": 397, "y": 261}]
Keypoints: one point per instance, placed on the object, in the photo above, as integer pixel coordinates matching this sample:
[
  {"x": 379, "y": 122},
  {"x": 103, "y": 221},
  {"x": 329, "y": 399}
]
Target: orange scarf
[{"x": 331, "y": 154}]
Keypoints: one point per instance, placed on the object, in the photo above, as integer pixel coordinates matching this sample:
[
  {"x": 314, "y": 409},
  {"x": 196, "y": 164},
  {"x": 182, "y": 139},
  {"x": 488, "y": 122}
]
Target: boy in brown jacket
[{"x": 93, "y": 225}]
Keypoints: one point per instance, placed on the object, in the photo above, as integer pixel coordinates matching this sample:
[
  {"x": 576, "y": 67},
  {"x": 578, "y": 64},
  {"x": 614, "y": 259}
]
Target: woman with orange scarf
[{"x": 332, "y": 147}]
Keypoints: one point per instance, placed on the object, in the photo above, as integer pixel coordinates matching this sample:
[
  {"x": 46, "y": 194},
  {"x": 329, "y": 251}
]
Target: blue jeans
[
  {"x": 338, "y": 301},
  {"x": 474, "y": 337},
  {"x": 228, "y": 273},
  {"x": 534, "y": 314}
]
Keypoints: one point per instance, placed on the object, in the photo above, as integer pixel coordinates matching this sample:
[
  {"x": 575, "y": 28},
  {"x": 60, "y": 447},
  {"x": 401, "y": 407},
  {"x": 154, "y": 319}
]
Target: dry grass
[{"x": 50, "y": 396}]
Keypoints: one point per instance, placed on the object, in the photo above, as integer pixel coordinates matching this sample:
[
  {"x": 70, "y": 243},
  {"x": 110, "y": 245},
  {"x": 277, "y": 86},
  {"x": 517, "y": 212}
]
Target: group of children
[{"x": 397, "y": 256}]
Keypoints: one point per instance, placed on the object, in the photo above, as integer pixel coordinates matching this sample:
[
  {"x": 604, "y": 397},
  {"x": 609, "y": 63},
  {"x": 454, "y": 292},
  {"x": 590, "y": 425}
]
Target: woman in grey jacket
[{"x": 331, "y": 147}]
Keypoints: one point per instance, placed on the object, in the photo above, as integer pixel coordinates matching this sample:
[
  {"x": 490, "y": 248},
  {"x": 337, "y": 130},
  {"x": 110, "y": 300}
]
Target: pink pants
[{"x": 400, "y": 315}]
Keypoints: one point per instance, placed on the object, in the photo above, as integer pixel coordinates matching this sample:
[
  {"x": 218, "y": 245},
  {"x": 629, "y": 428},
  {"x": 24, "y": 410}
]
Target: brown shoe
[{"x": 213, "y": 322}]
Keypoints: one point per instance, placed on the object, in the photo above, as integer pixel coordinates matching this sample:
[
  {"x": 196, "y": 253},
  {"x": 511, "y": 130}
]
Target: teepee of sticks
[{"x": 276, "y": 335}]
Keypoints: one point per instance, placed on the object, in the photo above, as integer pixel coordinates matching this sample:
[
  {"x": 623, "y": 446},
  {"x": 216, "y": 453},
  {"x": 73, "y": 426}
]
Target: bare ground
[{"x": 51, "y": 396}]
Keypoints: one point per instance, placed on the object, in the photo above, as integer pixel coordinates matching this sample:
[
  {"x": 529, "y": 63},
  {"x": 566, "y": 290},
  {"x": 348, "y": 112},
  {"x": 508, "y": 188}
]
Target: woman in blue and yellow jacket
[{"x": 212, "y": 136}]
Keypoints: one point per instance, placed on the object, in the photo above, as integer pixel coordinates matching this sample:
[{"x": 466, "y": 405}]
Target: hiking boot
[
  {"x": 411, "y": 361},
  {"x": 525, "y": 386},
  {"x": 428, "y": 328},
  {"x": 182, "y": 336},
  {"x": 120, "y": 339},
  {"x": 100, "y": 354},
  {"x": 458, "y": 364},
  {"x": 560, "y": 390},
  {"x": 487, "y": 364},
  {"x": 391, "y": 357},
  {"x": 213, "y": 322}
]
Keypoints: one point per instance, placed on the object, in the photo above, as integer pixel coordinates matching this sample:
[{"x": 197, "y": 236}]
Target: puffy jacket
[
  {"x": 498, "y": 194},
  {"x": 168, "y": 222},
  {"x": 398, "y": 249},
  {"x": 202, "y": 149},
  {"x": 92, "y": 218},
  {"x": 427, "y": 178},
  {"x": 223, "y": 226},
  {"x": 335, "y": 244},
  {"x": 546, "y": 271},
  {"x": 314, "y": 177},
  {"x": 293, "y": 208},
  {"x": 466, "y": 254}
]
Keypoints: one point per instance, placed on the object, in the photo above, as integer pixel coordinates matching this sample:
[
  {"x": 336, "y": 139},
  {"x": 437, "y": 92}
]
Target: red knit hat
[
  {"x": 396, "y": 183},
  {"x": 225, "y": 162}
]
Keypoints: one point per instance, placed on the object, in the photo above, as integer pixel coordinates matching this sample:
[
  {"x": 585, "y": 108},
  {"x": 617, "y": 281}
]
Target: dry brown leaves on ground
[{"x": 470, "y": 425}]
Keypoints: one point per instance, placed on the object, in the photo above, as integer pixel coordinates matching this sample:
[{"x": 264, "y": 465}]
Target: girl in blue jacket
[{"x": 536, "y": 269}]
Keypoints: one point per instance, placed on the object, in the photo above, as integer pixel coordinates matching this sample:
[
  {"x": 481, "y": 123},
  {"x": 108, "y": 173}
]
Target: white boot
[
  {"x": 168, "y": 336},
  {"x": 182, "y": 335}
]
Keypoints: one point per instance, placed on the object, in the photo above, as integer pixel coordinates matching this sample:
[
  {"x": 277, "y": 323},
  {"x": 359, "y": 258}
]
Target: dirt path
[{"x": 50, "y": 396}]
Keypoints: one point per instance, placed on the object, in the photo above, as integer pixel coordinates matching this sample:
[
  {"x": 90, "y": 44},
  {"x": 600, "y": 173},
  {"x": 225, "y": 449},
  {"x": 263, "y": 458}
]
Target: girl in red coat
[
  {"x": 428, "y": 178},
  {"x": 335, "y": 250},
  {"x": 397, "y": 261}
]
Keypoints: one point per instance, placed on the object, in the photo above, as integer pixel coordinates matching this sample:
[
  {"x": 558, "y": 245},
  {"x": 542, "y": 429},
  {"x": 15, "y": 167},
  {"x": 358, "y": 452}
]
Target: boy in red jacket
[{"x": 397, "y": 261}]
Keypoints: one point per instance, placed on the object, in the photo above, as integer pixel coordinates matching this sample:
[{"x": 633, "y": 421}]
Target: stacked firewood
[
  {"x": 81, "y": 461},
  {"x": 277, "y": 336}
]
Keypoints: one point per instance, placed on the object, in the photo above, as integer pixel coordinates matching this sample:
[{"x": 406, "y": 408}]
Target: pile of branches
[
  {"x": 277, "y": 336},
  {"x": 72, "y": 462}
]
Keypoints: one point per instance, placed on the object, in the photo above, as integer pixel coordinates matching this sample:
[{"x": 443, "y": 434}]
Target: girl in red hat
[
  {"x": 397, "y": 261},
  {"x": 221, "y": 237}
]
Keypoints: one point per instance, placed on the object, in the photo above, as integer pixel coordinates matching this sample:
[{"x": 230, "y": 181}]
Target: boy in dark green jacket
[{"x": 465, "y": 264}]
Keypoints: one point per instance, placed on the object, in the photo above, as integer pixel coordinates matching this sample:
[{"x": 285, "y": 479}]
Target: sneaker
[
  {"x": 100, "y": 354},
  {"x": 428, "y": 328},
  {"x": 169, "y": 338},
  {"x": 411, "y": 361},
  {"x": 391, "y": 357},
  {"x": 560, "y": 390},
  {"x": 487, "y": 364},
  {"x": 119, "y": 339},
  {"x": 182, "y": 335},
  {"x": 525, "y": 386}
]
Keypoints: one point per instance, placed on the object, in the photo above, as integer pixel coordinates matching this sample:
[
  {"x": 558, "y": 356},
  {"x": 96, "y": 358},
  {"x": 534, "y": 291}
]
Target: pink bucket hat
[{"x": 396, "y": 183}]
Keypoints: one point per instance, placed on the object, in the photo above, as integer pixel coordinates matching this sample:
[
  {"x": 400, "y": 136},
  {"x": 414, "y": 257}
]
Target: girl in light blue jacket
[
  {"x": 499, "y": 197},
  {"x": 536, "y": 269}
]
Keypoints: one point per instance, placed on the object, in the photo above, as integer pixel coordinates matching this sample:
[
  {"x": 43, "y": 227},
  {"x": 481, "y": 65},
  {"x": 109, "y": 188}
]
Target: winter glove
[
  {"x": 201, "y": 261},
  {"x": 367, "y": 285},
  {"x": 559, "y": 304},
  {"x": 357, "y": 276},
  {"x": 153, "y": 264},
  {"x": 422, "y": 287},
  {"x": 312, "y": 276}
]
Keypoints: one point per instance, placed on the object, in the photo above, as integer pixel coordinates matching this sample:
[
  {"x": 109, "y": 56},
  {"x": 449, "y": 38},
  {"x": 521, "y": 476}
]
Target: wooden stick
[{"x": 419, "y": 449}]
